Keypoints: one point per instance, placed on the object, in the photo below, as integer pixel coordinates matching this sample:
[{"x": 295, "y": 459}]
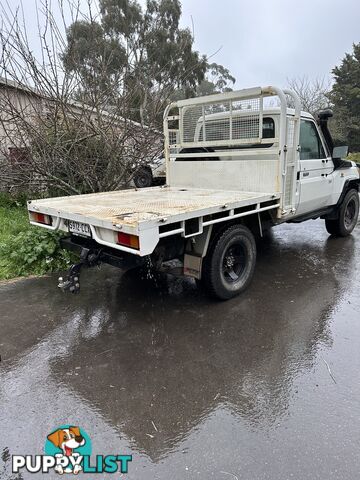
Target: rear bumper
[{"x": 116, "y": 258}]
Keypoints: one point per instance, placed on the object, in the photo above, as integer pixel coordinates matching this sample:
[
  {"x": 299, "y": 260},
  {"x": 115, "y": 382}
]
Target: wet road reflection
[{"x": 194, "y": 388}]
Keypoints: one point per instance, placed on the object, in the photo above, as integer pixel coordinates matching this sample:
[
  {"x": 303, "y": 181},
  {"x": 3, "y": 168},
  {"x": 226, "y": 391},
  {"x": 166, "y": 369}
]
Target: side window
[{"x": 310, "y": 143}]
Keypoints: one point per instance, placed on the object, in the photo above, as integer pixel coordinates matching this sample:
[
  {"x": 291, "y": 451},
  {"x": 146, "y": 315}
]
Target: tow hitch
[{"x": 88, "y": 258}]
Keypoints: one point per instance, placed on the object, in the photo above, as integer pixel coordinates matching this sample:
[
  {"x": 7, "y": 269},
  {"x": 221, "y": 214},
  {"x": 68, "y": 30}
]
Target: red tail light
[
  {"x": 128, "y": 240},
  {"x": 41, "y": 218}
]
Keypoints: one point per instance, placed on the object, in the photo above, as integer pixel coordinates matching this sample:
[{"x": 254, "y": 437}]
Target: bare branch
[
  {"x": 53, "y": 139},
  {"x": 313, "y": 93}
]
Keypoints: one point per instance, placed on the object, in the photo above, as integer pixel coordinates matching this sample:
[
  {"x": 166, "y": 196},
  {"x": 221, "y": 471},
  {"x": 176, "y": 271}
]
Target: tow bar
[{"x": 88, "y": 258}]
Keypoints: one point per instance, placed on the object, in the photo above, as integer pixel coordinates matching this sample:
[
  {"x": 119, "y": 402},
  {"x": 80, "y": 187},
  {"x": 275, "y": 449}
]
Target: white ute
[{"x": 235, "y": 165}]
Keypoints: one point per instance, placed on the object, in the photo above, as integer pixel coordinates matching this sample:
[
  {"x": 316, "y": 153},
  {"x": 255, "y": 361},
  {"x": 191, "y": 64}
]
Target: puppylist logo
[{"x": 67, "y": 450}]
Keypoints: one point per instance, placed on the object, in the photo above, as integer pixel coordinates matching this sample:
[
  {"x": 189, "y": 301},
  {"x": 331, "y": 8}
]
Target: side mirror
[{"x": 340, "y": 152}]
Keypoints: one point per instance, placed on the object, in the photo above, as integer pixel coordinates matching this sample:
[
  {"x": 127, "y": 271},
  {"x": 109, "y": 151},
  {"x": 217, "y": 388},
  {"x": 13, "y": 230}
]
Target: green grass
[
  {"x": 24, "y": 249},
  {"x": 12, "y": 222}
]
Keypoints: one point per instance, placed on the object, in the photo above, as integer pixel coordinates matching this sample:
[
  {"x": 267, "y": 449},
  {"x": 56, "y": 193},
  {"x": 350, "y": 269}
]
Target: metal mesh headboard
[{"x": 221, "y": 122}]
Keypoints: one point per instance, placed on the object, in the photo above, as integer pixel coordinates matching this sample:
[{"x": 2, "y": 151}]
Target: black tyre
[
  {"x": 229, "y": 264},
  {"x": 346, "y": 221},
  {"x": 143, "y": 178}
]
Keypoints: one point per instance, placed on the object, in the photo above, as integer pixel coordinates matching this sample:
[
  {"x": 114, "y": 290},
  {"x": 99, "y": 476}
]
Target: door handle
[{"x": 305, "y": 174}]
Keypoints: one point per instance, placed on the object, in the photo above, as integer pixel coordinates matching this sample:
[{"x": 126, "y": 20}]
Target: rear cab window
[{"x": 241, "y": 128}]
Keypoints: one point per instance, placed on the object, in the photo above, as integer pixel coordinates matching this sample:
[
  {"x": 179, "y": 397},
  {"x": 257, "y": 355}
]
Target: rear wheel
[
  {"x": 229, "y": 265},
  {"x": 345, "y": 223}
]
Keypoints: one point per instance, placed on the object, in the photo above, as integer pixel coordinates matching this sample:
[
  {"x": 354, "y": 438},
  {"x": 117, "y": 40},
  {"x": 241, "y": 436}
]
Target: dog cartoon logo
[
  {"x": 68, "y": 444},
  {"x": 68, "y": 450}
]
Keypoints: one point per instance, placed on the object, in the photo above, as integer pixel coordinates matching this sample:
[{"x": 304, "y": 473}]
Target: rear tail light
[
  {"x": 128, "y": 240},
  {"x": 41, "y": 218}
]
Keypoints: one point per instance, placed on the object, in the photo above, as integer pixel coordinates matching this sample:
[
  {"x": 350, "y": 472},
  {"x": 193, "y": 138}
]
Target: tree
[
  {"x": 345, "y": 96},
  {"x": 97, "y": 61},
  {"x": 313, "y": 94},
  {"x": 217, "y": 80},
  {"x": 144, "y": 52}
]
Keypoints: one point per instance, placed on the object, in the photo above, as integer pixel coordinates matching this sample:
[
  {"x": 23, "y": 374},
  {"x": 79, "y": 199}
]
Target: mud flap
[{"x": 192, "y": 265}]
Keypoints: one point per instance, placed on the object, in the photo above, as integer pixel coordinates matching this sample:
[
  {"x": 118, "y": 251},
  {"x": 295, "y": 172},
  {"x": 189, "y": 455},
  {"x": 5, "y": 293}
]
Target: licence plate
[{"x": 79, "y": 228}]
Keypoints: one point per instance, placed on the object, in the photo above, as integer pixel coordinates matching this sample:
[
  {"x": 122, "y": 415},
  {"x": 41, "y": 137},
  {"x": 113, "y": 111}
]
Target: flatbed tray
[{"x": 141, "y": 209}]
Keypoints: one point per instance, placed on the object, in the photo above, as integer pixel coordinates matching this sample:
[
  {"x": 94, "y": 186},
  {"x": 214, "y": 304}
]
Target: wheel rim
[
  {"x": 350, "y": 214},
  {"x": 233, "y": 264}
]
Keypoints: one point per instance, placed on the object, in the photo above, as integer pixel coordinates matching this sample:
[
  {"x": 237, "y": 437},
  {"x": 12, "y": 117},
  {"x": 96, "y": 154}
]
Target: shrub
[
  {"x": 9, "y": 201},
  {"x": 27, "y": 250}
]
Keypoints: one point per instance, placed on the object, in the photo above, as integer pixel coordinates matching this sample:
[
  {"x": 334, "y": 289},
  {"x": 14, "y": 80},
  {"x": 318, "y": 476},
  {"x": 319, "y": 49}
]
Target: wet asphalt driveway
[{"x": 264, "y": 386}]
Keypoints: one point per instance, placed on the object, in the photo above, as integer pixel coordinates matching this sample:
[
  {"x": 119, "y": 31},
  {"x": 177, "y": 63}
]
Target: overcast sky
[
  {"x": 267, "y": 41},
  {"x": 263, "y": 42}
]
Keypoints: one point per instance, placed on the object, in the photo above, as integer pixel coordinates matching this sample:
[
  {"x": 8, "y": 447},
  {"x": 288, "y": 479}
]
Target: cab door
[{"x": 315, "y": 172}]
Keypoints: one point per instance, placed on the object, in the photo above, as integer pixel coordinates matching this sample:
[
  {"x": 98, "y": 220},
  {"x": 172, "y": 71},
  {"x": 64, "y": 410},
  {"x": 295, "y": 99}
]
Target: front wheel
[
  {"x": 229, "y": 265},
  {"x": 345, "y": 223}
]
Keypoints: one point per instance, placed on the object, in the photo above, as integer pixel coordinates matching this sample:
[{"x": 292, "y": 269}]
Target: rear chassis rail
[
  {"x": 91, "y": 255},
  {"x": 108, "y": 255}
]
